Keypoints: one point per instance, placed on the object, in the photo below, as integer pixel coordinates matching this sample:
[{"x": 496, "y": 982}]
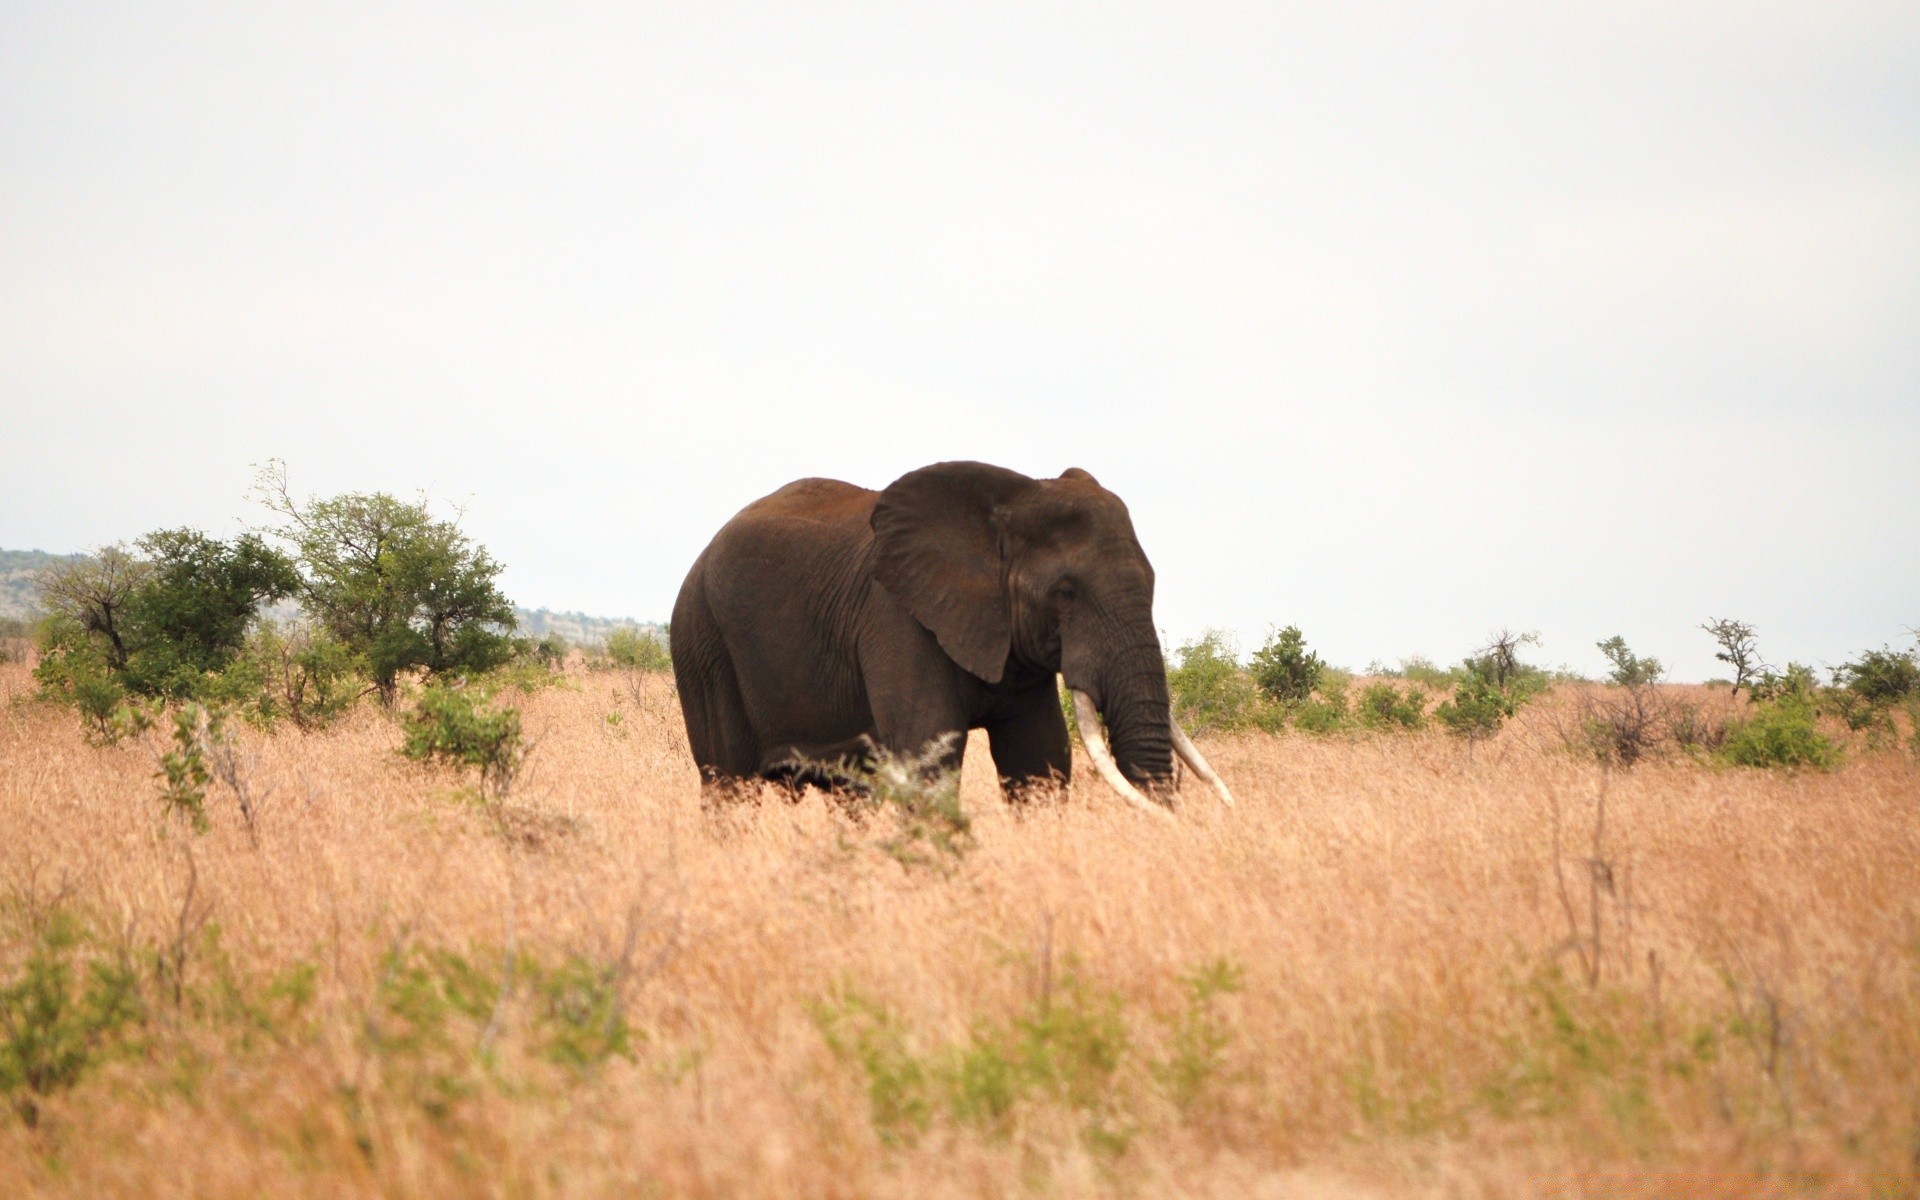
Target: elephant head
[{"x": 1032, "y": 577}]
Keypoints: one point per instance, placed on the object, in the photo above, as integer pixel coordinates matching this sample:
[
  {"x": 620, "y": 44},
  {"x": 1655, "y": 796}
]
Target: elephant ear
[{"x": 937, "y": 549}]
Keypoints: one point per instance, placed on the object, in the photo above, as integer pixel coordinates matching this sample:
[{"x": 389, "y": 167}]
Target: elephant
[{"x": 827, "y": 621}]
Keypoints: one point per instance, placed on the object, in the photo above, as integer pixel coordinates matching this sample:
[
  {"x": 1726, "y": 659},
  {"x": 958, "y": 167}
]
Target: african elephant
[{"x": 827, "y": 620}]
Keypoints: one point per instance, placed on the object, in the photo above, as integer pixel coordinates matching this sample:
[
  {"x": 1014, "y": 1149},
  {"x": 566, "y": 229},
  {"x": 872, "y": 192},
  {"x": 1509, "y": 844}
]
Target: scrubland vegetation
[
  {"x": 392, "y": 900},
  {"x": 1397, "y": 968}
]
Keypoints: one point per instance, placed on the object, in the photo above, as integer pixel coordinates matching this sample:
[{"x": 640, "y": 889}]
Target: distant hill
[
  {"x": 19, "y": 599},
  {"x": 578, "y": 628}
]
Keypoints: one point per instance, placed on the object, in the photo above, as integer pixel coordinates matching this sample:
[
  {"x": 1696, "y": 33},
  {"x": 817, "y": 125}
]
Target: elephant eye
[{"x": 1063, "y": 592}]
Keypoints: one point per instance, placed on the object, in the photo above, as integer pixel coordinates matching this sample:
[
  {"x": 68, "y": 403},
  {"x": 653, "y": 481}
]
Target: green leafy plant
[
  {"x": 1328, "y": 709},
  {"x": 1064, "y": 1049},
  {"x": 1782, "y": 732},
  {"x": 1382, "y": 706},
  {"x": 184, "y": 772},
  {"x": 1284, "y": 669},
  {"x": 1881, "y": 677},
  {"x": 1629, "y": 723},
  {"x": 1493, "y": 684},
  {"x": 1208, "y": 689},
  {"x": 457, "y": 726},
  {"x": 63, "y": 1010},
  {"x": 297, "y": 672},
  {"x": 632, "y": 649},
  {"x": 1477, "y": 710},
  {"x": 400, "y": 589}
]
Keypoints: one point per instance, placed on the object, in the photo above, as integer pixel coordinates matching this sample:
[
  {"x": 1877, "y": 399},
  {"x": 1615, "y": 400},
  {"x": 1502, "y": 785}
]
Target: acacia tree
[
  {"x": 1739, "y": 649},
  {"x": 399, "y": 588}
]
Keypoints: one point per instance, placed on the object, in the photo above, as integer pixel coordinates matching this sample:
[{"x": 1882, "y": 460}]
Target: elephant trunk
[{"x": 1139, "y": 725}]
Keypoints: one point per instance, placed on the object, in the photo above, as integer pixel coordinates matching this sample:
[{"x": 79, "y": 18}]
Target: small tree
[
  {"x": 1284, "y": 668},
  {"x": 1629, "y": 669},
  {"x": 1627, "y": 726},
  {"x": 92, "y": 594},
  {"x": 1739, "y": 649},
  {"x": 397, "y": 587},
  {"x": 190, "y": 614}
]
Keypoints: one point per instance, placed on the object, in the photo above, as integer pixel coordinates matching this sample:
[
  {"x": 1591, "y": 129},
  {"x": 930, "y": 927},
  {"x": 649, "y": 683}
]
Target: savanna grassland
[{"x": 1401, "y": 967}]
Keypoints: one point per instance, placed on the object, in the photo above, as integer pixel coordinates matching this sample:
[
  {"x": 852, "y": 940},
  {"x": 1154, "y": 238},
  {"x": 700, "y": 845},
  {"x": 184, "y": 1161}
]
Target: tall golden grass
[{"x": 1508, "y": 973}]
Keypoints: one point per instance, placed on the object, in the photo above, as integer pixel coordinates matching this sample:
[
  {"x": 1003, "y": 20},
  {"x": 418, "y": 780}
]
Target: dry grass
[{"x": 1722, "y": 998}]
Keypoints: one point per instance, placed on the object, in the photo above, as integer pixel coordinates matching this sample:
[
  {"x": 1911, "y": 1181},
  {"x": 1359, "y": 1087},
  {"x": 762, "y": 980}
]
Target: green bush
[
  {"x": 74, "y": 671},
  {"x": 1208, "y": 689},
  {"x": 1478, "y": 708},
  {"x": 163, "y": 624},
  {"x": 1067, "y": 1048},
  {"x": 184, "y": 771},
  {"x": 455, "y": 726},
  {"x": 63, "y": 1010},
  {"x": 1383, "y": 706},
  {"x": 296, "y": 672},
  {"x": 1881, "y": 677},
  {"x": 1328, "y": 709},
  {"x": 634, "y": 649},
  {"x": 1492, "y": 685},
  {"x": 1780, "y": 733},
  {"x": 1285, "y": 671},
  {"x": 549, "y": 651}
]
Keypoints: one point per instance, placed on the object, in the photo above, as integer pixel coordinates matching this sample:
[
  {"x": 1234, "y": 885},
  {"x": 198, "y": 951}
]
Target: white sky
[{"x": 1400, "y": 322}]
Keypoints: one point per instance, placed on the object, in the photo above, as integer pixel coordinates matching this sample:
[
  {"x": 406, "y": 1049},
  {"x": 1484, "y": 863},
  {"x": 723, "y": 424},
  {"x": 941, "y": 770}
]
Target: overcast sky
[{"x": 1399, "y": 322}]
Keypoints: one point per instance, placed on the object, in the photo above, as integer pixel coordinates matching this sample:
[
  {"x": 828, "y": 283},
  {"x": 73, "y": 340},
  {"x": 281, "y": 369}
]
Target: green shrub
[
  {"x": 1780, "y": 733},
  {"x": 1067, "y": 1048},
  {"x": 184, "y": 771},
  {"x": 579, "y": 1020},
  {"x": 1478, "y": 708},
  {"x": 456, "y": 727},
  {"x": 633, "y": 649},
  {"x": 1881, "y": 677},
  {"x": 74, "y": 671},
  {"x": 549, "y": 651},
  {"x": 63, "y": 1010},
  {"x": 1383, "y": 706},
  {"x": 1327, "y": 710},
  {"x": 1492, "y": 685},
  {"x": 1285, "y": 671},
  {"x": 1208, "y": 689},
  {"x": 1797, "y": 681},
  {"x": 298, "y": 672},
  {"x": 1199, "y": 1035}
]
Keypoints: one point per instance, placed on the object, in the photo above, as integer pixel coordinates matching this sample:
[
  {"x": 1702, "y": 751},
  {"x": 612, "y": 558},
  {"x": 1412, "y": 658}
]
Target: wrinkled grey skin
[{"x": 827, "y": 619}]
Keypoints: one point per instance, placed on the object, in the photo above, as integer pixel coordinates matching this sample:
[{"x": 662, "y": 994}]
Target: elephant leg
[
  {"x": 1028, "y": 736},
  {"x": 718, "y": 732},
  {"x": 913, "y": 694}
]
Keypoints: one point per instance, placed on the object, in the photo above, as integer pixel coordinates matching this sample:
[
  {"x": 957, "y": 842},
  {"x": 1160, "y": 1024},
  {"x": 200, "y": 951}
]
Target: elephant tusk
[
  {"x": 1095, "y": 740},
  {"x": 1191, "y": 755}
]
